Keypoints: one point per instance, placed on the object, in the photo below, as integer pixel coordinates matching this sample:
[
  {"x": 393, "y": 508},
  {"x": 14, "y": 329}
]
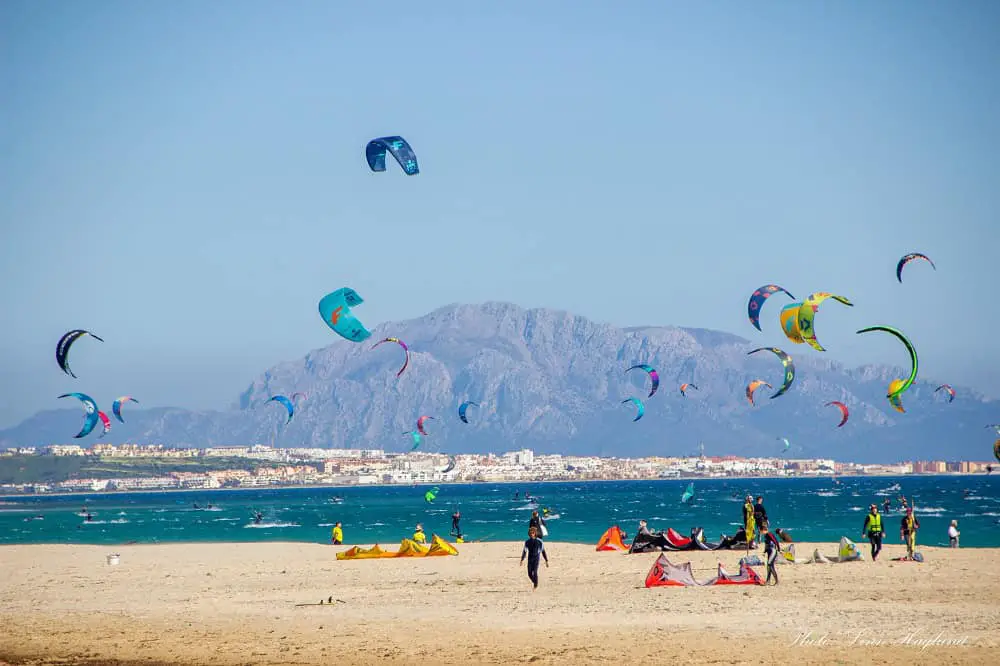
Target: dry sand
[{"x": 235, "y": 604}]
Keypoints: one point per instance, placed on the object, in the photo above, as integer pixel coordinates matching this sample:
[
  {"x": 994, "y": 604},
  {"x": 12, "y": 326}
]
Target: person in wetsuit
[
  {"x": 908, "y": 532},
  {"x": 258, "y": 517},
  {"x": 536, "y": 522},
  {"x": 455, "y": 518},
  {"x": 534, "y": 550},
  {"x": 771, "y": 549},
  {"x": 760, "y": 514},
  {"x": 873, "y": 530}
]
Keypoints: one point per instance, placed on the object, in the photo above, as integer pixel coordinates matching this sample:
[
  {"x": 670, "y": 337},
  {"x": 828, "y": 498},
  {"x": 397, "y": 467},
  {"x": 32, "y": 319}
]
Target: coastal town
[{"x": 265, "y": 466}]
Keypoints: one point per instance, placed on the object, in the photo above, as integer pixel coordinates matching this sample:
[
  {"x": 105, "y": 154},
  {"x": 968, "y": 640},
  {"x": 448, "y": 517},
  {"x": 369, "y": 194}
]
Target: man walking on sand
[
  {"x": 534, "y": 550},
  {"x": 873, "y": 530}
]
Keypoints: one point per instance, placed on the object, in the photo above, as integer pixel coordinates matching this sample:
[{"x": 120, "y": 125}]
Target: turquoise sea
[{"x": 811, "y": 509}]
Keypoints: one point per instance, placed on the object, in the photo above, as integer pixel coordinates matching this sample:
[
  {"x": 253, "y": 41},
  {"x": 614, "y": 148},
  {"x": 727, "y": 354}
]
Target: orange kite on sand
[
  {"x": 407, "y": 548},
  {"x": 612, "y": 540}
]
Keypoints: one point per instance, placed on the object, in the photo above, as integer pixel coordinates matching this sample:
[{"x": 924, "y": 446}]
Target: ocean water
[{"x": 811, "y": 509}]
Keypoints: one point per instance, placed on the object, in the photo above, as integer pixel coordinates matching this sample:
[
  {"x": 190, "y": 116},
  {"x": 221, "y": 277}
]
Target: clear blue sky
[{"x": 187, "y": 179}]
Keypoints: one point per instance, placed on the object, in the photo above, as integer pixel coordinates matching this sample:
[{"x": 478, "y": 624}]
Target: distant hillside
[{"x": 553, "y": 382}]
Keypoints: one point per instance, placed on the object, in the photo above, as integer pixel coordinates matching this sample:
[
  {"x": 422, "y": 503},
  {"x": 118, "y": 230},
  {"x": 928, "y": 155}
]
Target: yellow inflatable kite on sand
[{"x": 407, "y": 548}]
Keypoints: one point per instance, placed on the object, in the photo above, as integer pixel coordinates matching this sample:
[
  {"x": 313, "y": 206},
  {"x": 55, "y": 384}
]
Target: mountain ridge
[{"x": 554, "y": 381}]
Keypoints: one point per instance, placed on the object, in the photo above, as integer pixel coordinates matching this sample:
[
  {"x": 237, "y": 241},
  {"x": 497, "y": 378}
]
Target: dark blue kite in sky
[{"x": 400, "y": 149}]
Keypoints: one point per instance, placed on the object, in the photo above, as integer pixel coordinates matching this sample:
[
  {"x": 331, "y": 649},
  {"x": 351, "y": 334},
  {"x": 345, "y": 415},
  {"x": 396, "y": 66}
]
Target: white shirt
[{"x": 952, "y": 532}]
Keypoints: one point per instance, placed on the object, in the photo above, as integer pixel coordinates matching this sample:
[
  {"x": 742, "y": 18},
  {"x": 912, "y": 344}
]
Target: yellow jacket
[
  {"x": 338, "y": 534},
  {"x": 419, "y": 537}
]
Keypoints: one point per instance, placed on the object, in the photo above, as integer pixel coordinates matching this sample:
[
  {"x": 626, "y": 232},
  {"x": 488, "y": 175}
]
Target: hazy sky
[{"x": 187, "y": 179}]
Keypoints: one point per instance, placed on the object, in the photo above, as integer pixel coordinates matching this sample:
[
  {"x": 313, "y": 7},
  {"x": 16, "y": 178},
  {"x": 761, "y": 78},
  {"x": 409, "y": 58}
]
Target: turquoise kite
[
  {"x": 653, "y": 376},
  {"x": 416, "y": 439},
  {"x": 400, "y": 149},
  {"x": 90, "y": 411},
  {"x": 688, "y": 494},
  {"x": 288, "y": 405},
  {"x": 641, "y": 408},
  {"x": 335, "y": 309}
]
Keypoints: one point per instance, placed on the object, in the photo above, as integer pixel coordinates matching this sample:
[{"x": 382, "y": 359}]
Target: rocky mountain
[{"x": 554, "y": 382}]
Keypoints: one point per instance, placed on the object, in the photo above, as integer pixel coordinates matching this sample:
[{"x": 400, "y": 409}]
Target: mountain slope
[{"x": 554, "y": 382}]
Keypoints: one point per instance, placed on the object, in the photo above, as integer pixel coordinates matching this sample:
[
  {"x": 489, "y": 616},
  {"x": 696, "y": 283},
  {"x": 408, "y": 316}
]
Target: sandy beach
[{"x": 236, "y": 604}]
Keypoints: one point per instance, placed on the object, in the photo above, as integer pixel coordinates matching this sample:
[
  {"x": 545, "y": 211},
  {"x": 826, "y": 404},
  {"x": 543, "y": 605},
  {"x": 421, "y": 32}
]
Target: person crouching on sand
[
  {"x": 534, "y": 550},
  {"x": 418, "y": 534}
]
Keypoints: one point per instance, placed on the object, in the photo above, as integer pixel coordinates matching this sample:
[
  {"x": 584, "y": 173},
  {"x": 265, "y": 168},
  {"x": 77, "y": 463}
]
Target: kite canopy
[
  {"x": 753, "y": 386},
  {"x": 640, "y": 408},
  {"x": 416, "y": 439},
  {"x": 65, "y": 342},
  {"x": 903, "y": 384},
  {"x": 431, "y": 495},
  {"x": 907, "y": 259},
  {"x": 116, "y": 406},
  {"x": 688, "y": 493},
  {"x": 406, "y": 351},
  {"x": 463, "y": 408},
  {"x": 807, "y": 313},
  {"x": 685, "y": 387},
  {"x": 653, "y": 375},
  {"x": 105, "y": 421},
  {"x": 420, "y": 424},
  {"x": 757, "y": 299},
  {"x": 400, "y": 149},
  {"x": 789, "y": 318},
  {"x": 996, "y": 449},
  {"x": 335, "y": 309},
  {"x": 299, "y": 394},
  {"x": 287, "y": 404},
  {"x": 949, "y": 389},
  {"x": 844, "y": 412},
  {"x": 89, "y": 408},
  {"x": 786, "y": 361}
]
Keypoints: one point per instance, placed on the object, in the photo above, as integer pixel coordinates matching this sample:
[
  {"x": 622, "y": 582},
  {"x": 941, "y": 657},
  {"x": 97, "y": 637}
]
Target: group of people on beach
[{"x": 908, "y": 527}]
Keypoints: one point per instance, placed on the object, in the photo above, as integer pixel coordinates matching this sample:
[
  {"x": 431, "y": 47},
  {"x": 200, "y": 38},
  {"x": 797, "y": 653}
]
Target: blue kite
[
  {"x": 463, "y": 408},
  {"x": 288, "y": 405},
  {"x": 89, "y": 408},
  {"x": 400, "y": 149},
  {"x": 335, "y": 309}
]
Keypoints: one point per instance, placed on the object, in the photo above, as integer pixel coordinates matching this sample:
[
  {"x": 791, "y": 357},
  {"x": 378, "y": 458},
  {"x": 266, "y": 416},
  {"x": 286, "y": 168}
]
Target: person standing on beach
[
  {"x": 953, "y": 534},
  {"x": 338, "y": 534},
  {"x": 873, "y": 530},
  {"x": 771, "y": 549},
  {"x": 455, "y": 519},
  {"x": 760, "y": 514},
  {"x": 534, "y": 550},
  {"x": 749, "y": 523},
  {"x": 908, "y": 532}
]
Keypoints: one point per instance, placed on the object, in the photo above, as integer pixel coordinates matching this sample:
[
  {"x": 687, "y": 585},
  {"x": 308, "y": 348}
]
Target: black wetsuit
[
  {"x": 873, "y": 528},
  {"x": 760, "y": 516},
  {"x": 771, "y": 550},
  {"x": 455, "y": 518},
  {"x": 534, "y": 550}
]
